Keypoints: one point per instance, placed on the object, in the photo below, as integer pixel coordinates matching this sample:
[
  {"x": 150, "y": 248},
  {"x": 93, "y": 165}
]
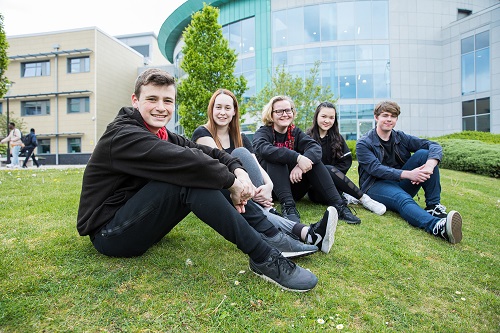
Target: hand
[
  {"x": 237, "y": 195},
  {"x": 263, "y": 195},
  {"x": 296, "y": 174},
  {"x": 419, "y": 175},
  {"x": 304, "y": 163}
]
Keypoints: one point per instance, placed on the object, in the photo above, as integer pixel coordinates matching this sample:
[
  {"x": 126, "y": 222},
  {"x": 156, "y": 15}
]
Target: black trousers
[
  {"x": 342, "y": 183},
  {"x": 318, "y": 178},
  {"x": 158, "y": 207},
  {"x": 28, "y": 152}
]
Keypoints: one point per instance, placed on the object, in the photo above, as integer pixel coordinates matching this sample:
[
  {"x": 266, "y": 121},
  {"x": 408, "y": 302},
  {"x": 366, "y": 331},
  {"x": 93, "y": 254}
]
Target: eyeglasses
[{"x": 280, "y": 112}]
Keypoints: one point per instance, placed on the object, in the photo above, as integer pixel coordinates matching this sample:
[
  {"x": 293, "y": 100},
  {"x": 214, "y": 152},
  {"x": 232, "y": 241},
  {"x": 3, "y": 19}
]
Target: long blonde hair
[{"x": 234, "y": 125}]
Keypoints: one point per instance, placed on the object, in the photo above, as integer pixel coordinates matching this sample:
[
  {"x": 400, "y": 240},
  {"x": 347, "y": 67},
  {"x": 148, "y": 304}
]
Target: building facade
[
  {"x": 69, "y": 85},
  {"x": 440, "y": 60}
]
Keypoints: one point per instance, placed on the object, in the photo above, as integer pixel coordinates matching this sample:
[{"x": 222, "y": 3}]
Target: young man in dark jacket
[
  {"x": 392, "y": 175},
  {"x": 142, "y": 180},
  {"x": 29, "y": 149}
]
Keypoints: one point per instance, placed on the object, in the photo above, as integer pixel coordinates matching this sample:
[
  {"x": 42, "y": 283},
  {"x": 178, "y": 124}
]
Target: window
[
  {"x": 43, "y": 146},
  {"x": 35, "y": 108},
  {"x": 74, "y": 145},
  {"x": 79, "y": 65},
  {"x": 476, "y": 115},
  {"x": 78, "y": 105},
  {"x": 476, "y": 63},
  {"x": 32, "y": 69}
]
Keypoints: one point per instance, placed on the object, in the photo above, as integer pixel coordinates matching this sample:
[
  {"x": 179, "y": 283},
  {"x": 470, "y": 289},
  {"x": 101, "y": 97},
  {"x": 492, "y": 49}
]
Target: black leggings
[
  {"x": 342, "y": 183},
  {"x": 317, "y": 178},
  {"x": 158, "y": 207}
]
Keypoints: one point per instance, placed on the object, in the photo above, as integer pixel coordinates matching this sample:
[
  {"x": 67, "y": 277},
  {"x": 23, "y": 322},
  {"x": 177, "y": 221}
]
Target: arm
[{"x": 264, "y": 148}]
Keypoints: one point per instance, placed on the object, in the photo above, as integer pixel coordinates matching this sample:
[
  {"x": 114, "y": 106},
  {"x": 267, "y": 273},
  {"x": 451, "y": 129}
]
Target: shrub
[
  {"x": 471, "y": 156},
  {"x": 472, "y": 135},
  {"x": 352, "y": 146}
]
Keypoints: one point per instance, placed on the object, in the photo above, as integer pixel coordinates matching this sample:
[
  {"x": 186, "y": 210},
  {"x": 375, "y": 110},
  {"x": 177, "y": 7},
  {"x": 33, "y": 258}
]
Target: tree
[
  {"x": 306, "y": 94},
  {"x": 209, "y": 64},
  {"x": 4, "y": 59}
]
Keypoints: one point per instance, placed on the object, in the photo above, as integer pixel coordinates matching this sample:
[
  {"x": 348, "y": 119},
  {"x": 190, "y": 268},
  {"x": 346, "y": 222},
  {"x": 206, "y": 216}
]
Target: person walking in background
[
  {"x": 29, "y": 148},
  {"x": 293, "y": 161},
  {"x": 337, "y": 157},
  {"x": 393, "y": 166},
  {"x": 142, "y": 180},
  {"x": 14, "y": 139},
  {"x": 222, "y": 131}
]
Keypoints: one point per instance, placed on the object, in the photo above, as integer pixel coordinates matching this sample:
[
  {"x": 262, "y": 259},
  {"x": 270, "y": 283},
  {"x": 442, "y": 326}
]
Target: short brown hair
[
  {"x": 387, "y": 106},
  {"x": 154, "y": 76}
]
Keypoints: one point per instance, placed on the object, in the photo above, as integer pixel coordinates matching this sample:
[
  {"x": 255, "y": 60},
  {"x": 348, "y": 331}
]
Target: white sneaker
[
  {"x": 350, "y": 199},
  {"x": 372, "y": 205}
]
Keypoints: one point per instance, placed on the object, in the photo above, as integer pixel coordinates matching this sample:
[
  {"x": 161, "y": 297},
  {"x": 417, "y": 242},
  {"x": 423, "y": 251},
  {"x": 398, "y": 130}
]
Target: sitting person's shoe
[
  {"x": 346, "y": 215},
  {"x": 350, "y": 199},
  {"x": 273, "y": 210},
  {"x": 284, "y": 273},
  {"x": 450, "y": 228},
  {"x": 289, "y": 212},
  {"x": 322, "y": 233},
  {"x": 372, "y": 205},
  {"x": 437, "y": 210},
  {"x": 290, "y": 247}
]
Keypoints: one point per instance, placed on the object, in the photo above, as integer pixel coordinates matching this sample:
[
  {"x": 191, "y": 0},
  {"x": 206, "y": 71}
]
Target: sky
[{"x": 114, "y": 17}]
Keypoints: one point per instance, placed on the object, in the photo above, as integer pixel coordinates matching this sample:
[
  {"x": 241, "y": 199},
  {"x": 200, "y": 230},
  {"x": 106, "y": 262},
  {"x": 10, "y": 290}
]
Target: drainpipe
[{"x": 56, "y": 65}]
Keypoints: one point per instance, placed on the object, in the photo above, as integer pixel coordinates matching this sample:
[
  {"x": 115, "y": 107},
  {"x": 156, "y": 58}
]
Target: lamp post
[{"x": 9, "y": 85}]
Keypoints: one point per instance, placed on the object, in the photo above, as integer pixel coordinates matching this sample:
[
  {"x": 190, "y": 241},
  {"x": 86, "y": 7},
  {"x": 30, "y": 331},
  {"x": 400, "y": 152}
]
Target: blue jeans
[
  {"x": 398, "y": 196},
  {"x": 15, "y": 155}
]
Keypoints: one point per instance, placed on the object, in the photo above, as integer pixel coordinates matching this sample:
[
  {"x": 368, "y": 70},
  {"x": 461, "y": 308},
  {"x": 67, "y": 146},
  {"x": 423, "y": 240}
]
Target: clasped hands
[
  {"x": 304, "y": 165},
  {"x": 242, "y": 190}
]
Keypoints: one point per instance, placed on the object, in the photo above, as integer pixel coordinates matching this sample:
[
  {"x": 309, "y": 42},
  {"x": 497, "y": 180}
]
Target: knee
[
  {"x": 242, "y": 152},
  {"x": 421, "y": 155}
]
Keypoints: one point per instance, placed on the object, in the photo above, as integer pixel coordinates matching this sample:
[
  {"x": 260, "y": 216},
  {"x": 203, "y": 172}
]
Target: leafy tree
[
  {"x": 4, "y": 59},
  {"x": 306, "y": 94},
  {"x": 209, "y": 64}
]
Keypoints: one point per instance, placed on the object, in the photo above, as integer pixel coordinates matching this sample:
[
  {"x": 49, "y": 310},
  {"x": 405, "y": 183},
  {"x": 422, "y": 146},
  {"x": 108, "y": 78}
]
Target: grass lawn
[{"x": 381, "y": 276}]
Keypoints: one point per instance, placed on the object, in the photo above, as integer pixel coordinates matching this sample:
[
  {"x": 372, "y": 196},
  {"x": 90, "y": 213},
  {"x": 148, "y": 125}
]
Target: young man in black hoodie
[{"x": 142, "y": 180}]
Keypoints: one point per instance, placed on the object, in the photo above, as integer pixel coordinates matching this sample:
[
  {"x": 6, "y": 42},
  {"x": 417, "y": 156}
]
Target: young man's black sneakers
[
  {"x": 284, "y": 273},
  {"x": 450, "y": 228},
  {"x": 346, "y": 215},
  {"x": 322, "y": 233},
  {"x": 437, "y": 210},
  {"x": 289, "y": 246},
  {"x": 289, "y": 212}
]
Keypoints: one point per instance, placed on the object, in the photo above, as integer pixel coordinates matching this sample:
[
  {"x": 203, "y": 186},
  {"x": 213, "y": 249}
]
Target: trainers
[
  {"x": 372, "y": 205},
  {"x": 345, "y": 214},
  {"x": 273, "y": 210},
  {"x": 289, "y": 212},
  {"x": 289, "y": 246},
  {"x": 350, "y": 199},
  {"x": 437, "y": 210},
  {"x": 450, "y": 228},
  {"x": 285, "y": 273},
  {"x": 322, "y": 233}
]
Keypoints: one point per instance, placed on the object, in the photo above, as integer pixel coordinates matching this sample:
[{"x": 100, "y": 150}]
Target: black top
[
  {"x": 389, "y": 154},
  {"x": 343, "y": 163},
  {"x": 202, "y": 131}
]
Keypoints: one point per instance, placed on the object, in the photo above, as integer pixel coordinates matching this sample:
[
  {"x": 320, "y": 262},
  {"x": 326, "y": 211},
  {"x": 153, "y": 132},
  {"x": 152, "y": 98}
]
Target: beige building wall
[{"x": 108, "y": 84}]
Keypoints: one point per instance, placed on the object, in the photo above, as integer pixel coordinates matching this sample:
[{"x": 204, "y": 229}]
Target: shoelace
[
  {"x": 292, "y": 210},
  {"x": 440, "y": 209},
  {"x": 281, "y": 261},
  {"x": 440, "y": 225}
]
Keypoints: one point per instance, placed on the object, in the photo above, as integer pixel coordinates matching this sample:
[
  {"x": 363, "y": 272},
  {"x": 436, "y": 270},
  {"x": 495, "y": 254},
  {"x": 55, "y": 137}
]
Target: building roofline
[{"x": 173, "y": 27}]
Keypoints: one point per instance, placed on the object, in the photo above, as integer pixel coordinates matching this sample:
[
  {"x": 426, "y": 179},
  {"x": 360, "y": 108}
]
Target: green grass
[{"x": 381, "y": 276}]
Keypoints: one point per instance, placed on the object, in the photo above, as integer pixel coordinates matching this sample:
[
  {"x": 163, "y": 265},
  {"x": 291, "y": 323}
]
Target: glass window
[
  {"x": 235, "y": 36},
  {"x": 279, "y": 29},
  {"x": 365, "y": 111},
  {"x": 348, "y": 128},
  {"x": 483, "y": 123},
  {"x": 364, "y": 52},
  {"x": 468, "y": 84},
  {"x": 468, "y": 45},
  {"x": 31, "y": 69},
  {"x": 312, "y": 55},
  {"x": 35, "y": 108},
  {"x": 347, "y": 79},
  {"x": 74, "y": 145},
  {"x": 311, "y": 24},
  {"x": 469, "y": 124},
  {"x": 468, "y": 108},
  {"x": 280, "y": 58},
  {"x": 248, "y": 35},
  {"x": 363, "y": 20},
  {"x": 296, "y": 57},
  {"x": 482, "y": 40},
  {"x": 295, "y": 25},
  {"x": 345, "y": 20},
  {"x": 380, "y": 52},
  {"x": 476, "y": 63},
  {"x": 364, "y": 79},
  {"x": 328, "y": 21},
  {"x": 476, "y": 115},
  {"x": 78, "y": 105},
  {"x": 483, "y": 106},
  {"x": 329, "y": 77},
  {"x": 381, "y": 79},
  {"x": 380, "y": 20},
  {"x": 483, "y": 70},
  {"x": 80, "y": 65},
  {"x": 43, "y": 146},
  {"x": 329, "y": 53},
  {"x": 347, "y": 111},
  {"x": 346, "y": 52},
  {"x": 1, "y": 108}
]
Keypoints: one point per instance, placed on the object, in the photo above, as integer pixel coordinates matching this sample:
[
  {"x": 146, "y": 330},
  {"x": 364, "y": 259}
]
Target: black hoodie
[{"x": 128, "y": 156}]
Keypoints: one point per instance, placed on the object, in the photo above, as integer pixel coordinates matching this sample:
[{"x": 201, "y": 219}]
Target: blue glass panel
[
  {"x": 279, "y": 29},
  {"x": 295, "y": 24},
  {"x": 468, "y": 85},
  {"x": 363, "y": 28},
  {"x": 346, "y": 52},
  {"x": 311, "y": 24},
  {"x": 468, "y": 44},
  {"x": 347, "y": 79},
  {"x": 345, "y": 20},
  {"x": 482, "y": 40},
  {"x": 364, "y": 52},
  {"x": 328, "y": 20},
  {"x": 483, "y": 70},
  {"x": 381, "y": 79},
  {"x": 364, "y": 79},
  {"x": 248, "y": 35},
  {"x": 380, "y": 20},
  {"x": 329, "y": 54},
  {"x": 280, "y": 58}
]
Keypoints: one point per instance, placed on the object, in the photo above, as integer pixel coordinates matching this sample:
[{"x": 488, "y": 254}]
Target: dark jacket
[
  {"x": 370, "y": 155},
  {"x": 344, "y": 163},
  {"x": 304, "y": 145},
  {"x": 128, "y": 156}
]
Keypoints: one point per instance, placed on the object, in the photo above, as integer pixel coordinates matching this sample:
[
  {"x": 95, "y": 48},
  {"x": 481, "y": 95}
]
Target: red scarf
[
  {"x": 290, "y": 140},
  {"x": 162, "y": 133}
]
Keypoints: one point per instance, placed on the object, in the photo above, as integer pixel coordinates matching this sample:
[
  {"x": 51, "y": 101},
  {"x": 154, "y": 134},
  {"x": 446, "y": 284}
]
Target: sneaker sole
[
  {"x": 276, "y": 283},
  {"x": 454, "y": 227},
  {"x": 297, "y": 254},
  {"x": 331, "y": 227}
]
